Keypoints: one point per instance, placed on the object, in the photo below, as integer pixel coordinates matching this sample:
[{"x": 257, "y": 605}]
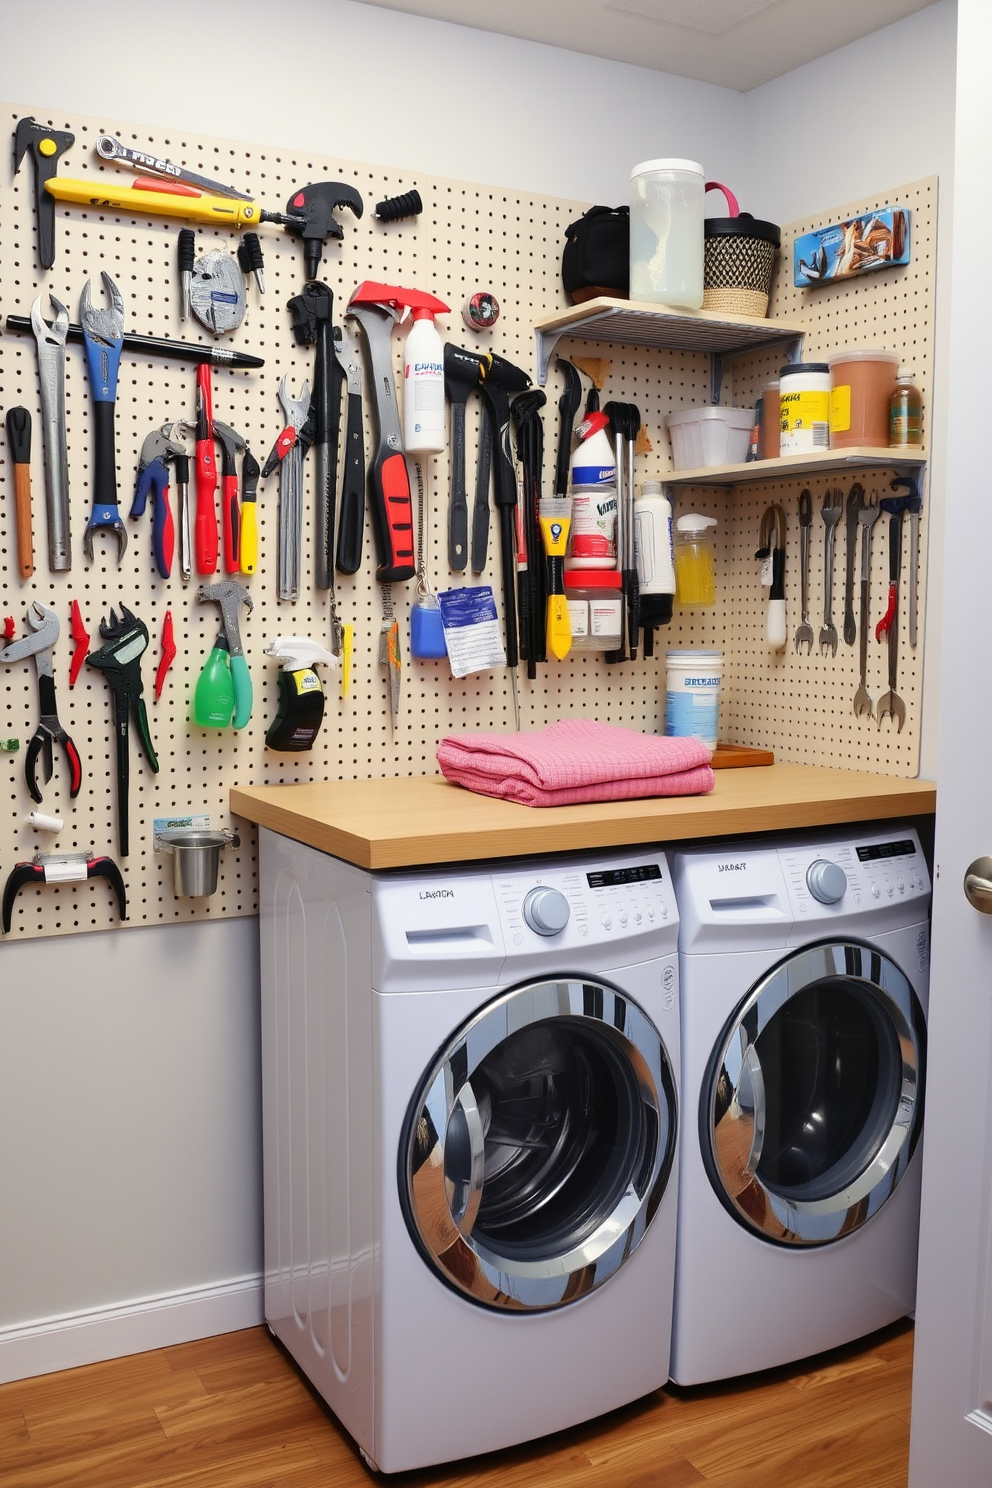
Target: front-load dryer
[
  {"x": 470, "y": 1098},
  {"x": 803, "y": 976}
]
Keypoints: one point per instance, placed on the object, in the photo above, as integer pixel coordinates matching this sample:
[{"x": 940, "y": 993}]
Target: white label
[{"x": 766, "y": 571}]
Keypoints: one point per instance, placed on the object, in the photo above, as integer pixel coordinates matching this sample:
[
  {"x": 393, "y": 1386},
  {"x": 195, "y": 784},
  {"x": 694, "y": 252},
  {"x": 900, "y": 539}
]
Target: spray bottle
[
  {"x": 424, "y": 429},
  {"x": 301, "y": 697},
  {"x": 653, "y": 550}
]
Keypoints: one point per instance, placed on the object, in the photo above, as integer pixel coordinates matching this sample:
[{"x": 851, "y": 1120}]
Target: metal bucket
[{"x": 195, "y": 859}]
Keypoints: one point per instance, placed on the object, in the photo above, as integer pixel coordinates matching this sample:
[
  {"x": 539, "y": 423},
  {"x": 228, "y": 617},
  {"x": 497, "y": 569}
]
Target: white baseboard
[{"x": 133, "y": 1327}]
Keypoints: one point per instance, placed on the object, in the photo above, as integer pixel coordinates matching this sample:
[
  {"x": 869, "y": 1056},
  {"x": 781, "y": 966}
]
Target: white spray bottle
[{"x": 424, "y": 427}]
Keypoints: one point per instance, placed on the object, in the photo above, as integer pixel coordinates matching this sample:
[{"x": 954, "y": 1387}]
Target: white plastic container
[
  {"x": 709, "y": 436},
  {"x": 595, "y": 607},
  {"x": 692, "y": 695},
  {"x": 424, "y": 430},
  {"x": 666, "y": 232},
  {"x": 804, "y": 408}
]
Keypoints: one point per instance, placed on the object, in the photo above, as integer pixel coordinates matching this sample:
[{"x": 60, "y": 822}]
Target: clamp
[
  {"x": 45, "y": 624},
  {"x": 61, "y": 868}
]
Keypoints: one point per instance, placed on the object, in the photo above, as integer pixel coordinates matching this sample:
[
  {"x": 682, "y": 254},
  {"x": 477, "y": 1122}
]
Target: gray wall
[{"x": 129, "y": 1084}]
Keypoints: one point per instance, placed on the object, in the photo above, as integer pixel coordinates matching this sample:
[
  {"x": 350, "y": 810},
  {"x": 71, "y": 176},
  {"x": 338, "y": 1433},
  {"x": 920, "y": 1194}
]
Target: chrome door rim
[
  {"x": 735, "y": 1067},
  {"x": 462, "y": 1258}
]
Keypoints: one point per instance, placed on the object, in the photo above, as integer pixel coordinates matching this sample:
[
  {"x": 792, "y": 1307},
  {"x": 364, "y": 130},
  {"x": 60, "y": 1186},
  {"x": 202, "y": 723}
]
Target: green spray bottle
[{"x": 301, "y": 696}]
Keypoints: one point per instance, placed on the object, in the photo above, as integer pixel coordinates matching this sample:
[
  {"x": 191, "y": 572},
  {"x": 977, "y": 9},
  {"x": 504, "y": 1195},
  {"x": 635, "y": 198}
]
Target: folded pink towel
[{"x": 576, "y": 760}]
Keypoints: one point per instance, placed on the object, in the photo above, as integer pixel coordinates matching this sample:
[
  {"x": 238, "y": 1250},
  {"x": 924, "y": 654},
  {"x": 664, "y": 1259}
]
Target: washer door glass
[
  {"x": 539, "y": 1145},
  {"x": 812, "y": 1105}
]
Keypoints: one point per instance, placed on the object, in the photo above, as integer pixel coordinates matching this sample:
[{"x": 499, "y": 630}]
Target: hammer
[{"x": 212, "y": 698}]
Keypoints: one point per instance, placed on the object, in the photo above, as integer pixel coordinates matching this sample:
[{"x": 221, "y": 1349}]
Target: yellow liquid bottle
[{"x": 695, "y": 579}]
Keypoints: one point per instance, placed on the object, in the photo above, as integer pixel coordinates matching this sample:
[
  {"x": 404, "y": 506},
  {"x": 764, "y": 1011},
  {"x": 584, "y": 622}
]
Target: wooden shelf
[
  {"x": 414, "y": 821},
  {"x": 634, "y": 323},
  {"x": 766, "y": 470}
]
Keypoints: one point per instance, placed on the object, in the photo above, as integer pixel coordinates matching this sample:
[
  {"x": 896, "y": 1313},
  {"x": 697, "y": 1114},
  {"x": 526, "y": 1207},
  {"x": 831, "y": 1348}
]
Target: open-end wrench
[
  {"x": 890, "y": 704},
  {"x": 830, "y": 511},
  {"x": 914, "y": 506},
  {"x": 804, "y": 632},
  {"x": 103, "y": 333},
  {"x": 852, "y": 510},
  {"x": 50, "y": 340},
  {"x": 867, "y": 517}
]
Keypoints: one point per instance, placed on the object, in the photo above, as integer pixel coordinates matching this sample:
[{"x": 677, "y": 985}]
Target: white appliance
[
  {"x": 803, "y": 974},
  {"x": 470, "y": 1081}
]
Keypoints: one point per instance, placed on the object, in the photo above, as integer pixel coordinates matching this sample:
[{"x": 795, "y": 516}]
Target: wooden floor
[{"x": 234, "y": 1412}]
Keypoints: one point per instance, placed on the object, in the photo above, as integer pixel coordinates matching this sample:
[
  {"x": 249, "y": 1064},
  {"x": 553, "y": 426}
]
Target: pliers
[
  {"x": 159, "y": 448},
  {"x": 103, "y": 334},
  {"x": 45, "y": 624}
]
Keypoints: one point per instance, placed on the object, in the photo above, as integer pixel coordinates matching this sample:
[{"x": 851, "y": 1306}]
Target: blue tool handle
[
  {"x": 104, "y": 466},
  {"x": 103, "y": 361},
  {"x": 242, "y": 691}
]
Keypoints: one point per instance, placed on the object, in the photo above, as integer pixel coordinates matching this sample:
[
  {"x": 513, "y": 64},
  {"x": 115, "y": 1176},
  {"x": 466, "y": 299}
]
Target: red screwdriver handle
[
  {"x": 206, "y": 537},
  {"x": 231, "y": 515}
]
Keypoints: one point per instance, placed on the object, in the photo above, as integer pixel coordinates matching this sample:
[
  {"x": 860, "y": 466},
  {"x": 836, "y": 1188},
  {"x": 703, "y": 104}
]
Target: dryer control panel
[
  {"x": 852, "y": 875},
  {"x": 586, "y": 903}
]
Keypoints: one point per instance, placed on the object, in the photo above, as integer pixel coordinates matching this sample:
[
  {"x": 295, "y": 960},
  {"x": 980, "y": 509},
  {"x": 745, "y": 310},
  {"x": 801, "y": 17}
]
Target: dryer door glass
[
  {"x": 812, "y": 1105},
  {"x": 539, "y": 1145}
]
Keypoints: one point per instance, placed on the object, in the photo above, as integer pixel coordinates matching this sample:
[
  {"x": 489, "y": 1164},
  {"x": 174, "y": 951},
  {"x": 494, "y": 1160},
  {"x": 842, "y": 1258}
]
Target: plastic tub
[
  {"x": 595, "y": 609},
  {"x": 709, "y": 436},
  {"x": 861, "y": 387},
  {"x": 666, "y": 232},
  {"x": 692, "y": 695}
]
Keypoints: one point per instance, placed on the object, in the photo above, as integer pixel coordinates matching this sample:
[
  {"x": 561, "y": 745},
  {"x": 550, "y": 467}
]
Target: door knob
[{"x": 978, "y": 885}]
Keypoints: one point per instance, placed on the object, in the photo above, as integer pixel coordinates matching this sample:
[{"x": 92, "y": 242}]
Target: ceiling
[{"x": 734, "y": 43}]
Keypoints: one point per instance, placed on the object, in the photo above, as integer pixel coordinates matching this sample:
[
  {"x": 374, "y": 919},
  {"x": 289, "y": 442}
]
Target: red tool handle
[
  {"x": 168, "y": 653},
  {"x": 231, "y": 515},
  {"x": 391, "y": 494},
  {"x": 886, "y": 620},
  {"x": 81, "y": 636},
  {"x": 206, "y": 536}
]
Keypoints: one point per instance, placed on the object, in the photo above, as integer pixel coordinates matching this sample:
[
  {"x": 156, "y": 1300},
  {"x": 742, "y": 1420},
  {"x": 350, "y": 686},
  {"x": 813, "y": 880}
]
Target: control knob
[
  {"x": 827, "y": 881},
  {"x": 546, "y": 910}
]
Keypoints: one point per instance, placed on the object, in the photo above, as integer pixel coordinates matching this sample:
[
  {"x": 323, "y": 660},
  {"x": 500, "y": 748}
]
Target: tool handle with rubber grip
[
  {"x": 205, "y": 534},
  {"x": 19, "y": 875},
  {"x": 75, "y": 766},
  {"x": 231, "y": 516},
  {"x": 35, "y": 746},
  {"x": 480, "y": 509},
  {"x": 457, "y": 500},
  {"x": 105, "y": 456},
  {"x": 22, "y": 513},
  {"x": 108, "y": 869},
  {"x": 141, "y": 720},
  {"x": 392, "y": 516},
  {"x": 241, "y": 678},
  {"x": 249, "y": 538},
  {"x": 351, "y": 522},
  {"x": 163, "y": 530}
]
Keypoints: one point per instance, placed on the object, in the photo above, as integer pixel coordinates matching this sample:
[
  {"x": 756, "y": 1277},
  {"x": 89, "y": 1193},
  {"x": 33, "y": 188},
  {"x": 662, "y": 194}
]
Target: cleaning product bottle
[
  {"x": 695, "y": 580},
  {"x": 653, "y": 552},
  {"x": 593, "y": 485},
  {"x": 301, "y": 697},
  {"x": 423, "y": 386}
]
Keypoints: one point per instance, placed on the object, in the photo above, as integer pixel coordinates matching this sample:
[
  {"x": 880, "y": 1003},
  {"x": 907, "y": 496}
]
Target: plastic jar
[
  {"x": 770, "y": 422},
  {"x": 666, "y": 232},
  {"x": 861, "y": 385},
  {"x": 595, "y": 608},
  {"x": 592, "y": 539},
  {"x": 804, "y": 408},
  {"x": 905, "y": 412},
  {"x": 692, "y": 695},
  {"x": 695, "y": 578}
]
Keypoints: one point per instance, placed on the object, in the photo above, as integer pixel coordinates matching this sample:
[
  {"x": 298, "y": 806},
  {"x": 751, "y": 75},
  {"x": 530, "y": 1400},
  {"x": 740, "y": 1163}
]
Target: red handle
[
  {"x": 168, "y": 653},
  {"x": 206, "y": 536},
  {"x": 75, "y": 767},
  {"x": 733, "y": 210},
  {"x": 231, "y": 515},
  {"x": 886, "y": 620},
  {"x": 398, "y": 508}
]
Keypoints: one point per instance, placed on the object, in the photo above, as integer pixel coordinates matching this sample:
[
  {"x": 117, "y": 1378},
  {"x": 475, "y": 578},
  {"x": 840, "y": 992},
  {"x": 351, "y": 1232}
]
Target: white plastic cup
[
  {"x": 666, "y": 233},
  {"x": 692, "y": 696}
]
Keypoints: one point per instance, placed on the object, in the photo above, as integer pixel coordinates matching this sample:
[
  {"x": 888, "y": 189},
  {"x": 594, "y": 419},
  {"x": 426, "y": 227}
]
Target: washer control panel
[
  {"x": 851, "y": 876},
  {"x": 586, "y": 903}
]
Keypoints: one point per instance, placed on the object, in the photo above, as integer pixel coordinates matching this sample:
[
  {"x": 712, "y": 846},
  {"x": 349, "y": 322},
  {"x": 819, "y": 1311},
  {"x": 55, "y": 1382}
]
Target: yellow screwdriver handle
[
  {"x": 188, "y": 203},
  {"x": 249, "y": 538},
  {"x": 347, "y": 646},
  {"x": 559, "y": 626}
]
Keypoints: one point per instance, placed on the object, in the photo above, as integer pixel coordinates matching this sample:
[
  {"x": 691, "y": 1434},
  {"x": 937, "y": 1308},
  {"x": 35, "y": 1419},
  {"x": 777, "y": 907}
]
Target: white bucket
[{"x": 692, "y": 698}]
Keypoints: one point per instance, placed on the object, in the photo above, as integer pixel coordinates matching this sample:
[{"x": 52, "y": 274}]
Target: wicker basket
[{"x": 738, "y": 260}]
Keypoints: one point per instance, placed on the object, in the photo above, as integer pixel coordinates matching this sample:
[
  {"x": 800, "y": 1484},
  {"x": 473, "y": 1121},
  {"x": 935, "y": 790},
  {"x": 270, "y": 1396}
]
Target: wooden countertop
[{"x": 412, "y": 821}]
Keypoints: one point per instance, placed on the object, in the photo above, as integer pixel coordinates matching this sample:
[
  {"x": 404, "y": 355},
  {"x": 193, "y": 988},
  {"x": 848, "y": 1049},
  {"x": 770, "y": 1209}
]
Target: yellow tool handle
[
  {"x": 249, "y": 538},
  {"x": 347, "y": 646},
  {"x": 559, "y": 626},
  {"x": 22, "y": 515},
  {"x": 189, "y": 204}
]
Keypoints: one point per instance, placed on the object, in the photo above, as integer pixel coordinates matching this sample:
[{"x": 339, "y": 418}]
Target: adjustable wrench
[
  {"x": 103, "y": 334},
  {"x": 50, "y": 345}
]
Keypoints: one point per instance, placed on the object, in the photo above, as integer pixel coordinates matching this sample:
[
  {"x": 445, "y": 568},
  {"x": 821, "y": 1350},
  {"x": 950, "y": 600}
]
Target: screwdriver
[{"x": 207, "y": 538}]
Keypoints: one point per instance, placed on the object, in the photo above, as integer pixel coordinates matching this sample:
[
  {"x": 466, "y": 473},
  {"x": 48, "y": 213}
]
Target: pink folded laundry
[{"x": 576, "y": 760}]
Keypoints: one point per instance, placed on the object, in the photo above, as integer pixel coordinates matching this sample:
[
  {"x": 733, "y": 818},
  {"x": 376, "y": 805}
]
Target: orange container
[
  {"x": 770, "y": 417},
  {"x": 861, "y": 385}
]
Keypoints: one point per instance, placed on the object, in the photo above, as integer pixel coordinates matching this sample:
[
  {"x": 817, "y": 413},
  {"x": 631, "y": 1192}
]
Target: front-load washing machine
[
  {"x": 803, "y": 976},
  {"x": 470, "y": 1088}
]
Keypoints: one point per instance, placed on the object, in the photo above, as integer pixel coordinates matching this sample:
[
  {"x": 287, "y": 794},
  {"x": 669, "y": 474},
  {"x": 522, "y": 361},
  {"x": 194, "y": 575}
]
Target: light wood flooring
[{"x": 234, "y": 1412}]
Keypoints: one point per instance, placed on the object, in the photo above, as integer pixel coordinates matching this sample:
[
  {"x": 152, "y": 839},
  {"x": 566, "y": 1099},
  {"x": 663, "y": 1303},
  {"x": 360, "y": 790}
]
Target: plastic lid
[
  {"x": 693, "y": 522},
  {"x": 651, "y": 488},
  {"x": 692, "y": 655},
  {"x": 793, "y": 369},
  {"x": 421, "y": 312},
  {"x": 593, "y": 578},
  {"x": 667, "y": 165},
  {"x": 905, "y": 372},
  {"x": 742, "y": 226},
  {"x": 863, "y": 354}
]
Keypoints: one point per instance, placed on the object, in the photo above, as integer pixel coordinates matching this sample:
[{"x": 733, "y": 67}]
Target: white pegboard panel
[
  {"x": 467, "y": 238},
  {"x": 802, "y": 705}
]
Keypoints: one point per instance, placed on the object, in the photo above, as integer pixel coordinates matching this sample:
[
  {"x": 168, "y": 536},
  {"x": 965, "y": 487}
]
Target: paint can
[
  {"x": 804, "y": 408},
  {"x": 692, "y": 695}
]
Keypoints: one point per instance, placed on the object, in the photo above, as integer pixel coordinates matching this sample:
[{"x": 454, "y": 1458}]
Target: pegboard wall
[{"x": 467, "y": 238}]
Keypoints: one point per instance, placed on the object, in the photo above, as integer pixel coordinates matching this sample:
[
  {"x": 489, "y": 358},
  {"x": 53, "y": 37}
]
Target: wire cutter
[{"x": 45, "y": 624}]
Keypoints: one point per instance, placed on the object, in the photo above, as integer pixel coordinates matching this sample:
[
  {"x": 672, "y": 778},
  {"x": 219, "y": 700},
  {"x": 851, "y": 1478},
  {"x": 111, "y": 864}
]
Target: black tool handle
[
  {"x": 458, "y": 499},
  {"x": 108, "y": 869},
  {"x": 351, "y": 524},
  {"x": 141, "y": 721},
  {"x": 895, "y": 547},
  {"x": 19, "y": 875},
  {"x": 18, "y": 421},
  {"x": 480, "y": 511},
  {"x": 123, "y": 765},
  {"x": 105, "y": 456}
]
